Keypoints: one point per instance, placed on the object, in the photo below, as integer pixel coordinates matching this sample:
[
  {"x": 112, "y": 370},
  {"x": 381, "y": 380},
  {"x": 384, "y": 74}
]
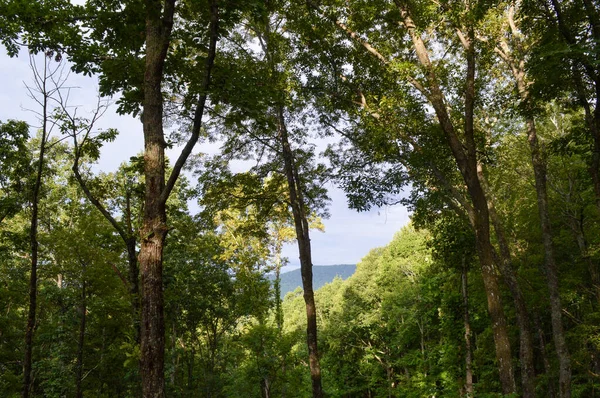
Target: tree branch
[{"x": 187, "y": 150}]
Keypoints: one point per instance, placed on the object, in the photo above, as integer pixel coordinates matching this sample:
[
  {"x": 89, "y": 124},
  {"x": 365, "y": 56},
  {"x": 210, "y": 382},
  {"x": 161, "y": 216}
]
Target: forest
[{"x": 162, "y": 278}]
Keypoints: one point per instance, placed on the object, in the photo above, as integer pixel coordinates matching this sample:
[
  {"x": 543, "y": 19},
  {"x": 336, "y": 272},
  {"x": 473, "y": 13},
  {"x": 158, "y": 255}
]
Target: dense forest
[{"x": 482, "y": 117}]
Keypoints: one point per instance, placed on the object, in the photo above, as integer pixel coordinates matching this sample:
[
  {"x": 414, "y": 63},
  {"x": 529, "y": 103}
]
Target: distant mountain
[{"x": 322, "y": 274}]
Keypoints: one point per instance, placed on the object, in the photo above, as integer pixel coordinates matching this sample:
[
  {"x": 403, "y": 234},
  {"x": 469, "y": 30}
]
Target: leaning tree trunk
[
  {"x": 466, "y": 161},
  {"x": 126, "y": 234},
  {"x": 302, "y": 235}
]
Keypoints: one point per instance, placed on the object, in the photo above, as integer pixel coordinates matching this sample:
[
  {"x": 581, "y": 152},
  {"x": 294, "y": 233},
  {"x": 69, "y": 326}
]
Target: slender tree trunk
[
  {"x": 81, "y": 339},
  {"x": 134, "y": 286},
  {"x": 499, "y": 324},
  {"x": 582, "y": 243},
  {"x": 279, "y": 312},
  {"x": 126, "y": 234},
  {"x": 545, "y": 361},
  {"x": 277, "y": 288},
  {"x": 302, "y": 235},
  {"x": 467, "y": 324},
  {"x": 582, "y": 61},
  {"x": 265, "y": 387},
  {"x": 504, "y": 263},
  {"x": 466, "y": 160},
  {"x": 550, "y": 268},
  {"x": 592, "y": 118},
  {"x": 174, "y": 356},
  {"x": 33, "y": 234}
]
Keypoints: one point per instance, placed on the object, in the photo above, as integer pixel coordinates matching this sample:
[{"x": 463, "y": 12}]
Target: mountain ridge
[{"x": 322, "y": 274}]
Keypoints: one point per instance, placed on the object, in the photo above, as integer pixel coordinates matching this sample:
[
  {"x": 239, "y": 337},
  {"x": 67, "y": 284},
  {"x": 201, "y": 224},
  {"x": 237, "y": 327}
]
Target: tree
[
  {"x": 514, "y": 58},
  {"x": 275, "y": 123},
  {"x": 426, "y": 77},
  {"x": 47, "y": 82}
]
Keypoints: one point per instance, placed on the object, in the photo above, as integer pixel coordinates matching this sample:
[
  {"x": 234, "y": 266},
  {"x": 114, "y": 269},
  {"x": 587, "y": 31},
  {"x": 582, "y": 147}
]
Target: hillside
[{"x": 322, "y": 274}]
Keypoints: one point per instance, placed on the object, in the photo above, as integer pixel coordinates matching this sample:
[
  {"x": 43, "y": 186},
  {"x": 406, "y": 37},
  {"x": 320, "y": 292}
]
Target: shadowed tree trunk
[
  {"x": 538, "y": 161},
  {"x": 504, "y": 263},
  {"x": 154, "y": 224},
  {"x": 585, "y": 65},
  {"x": 302, "y": 235},
  {"x": 467, "y": 324},
  {"x": 550, "y": 268},
  {"x": 126, "y": 234}
]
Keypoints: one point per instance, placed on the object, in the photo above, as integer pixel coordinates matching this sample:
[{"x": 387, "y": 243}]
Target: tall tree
[
  {"x": 418, "y": 65},
  {"x": 158, "y": 36},
  {"x": 47, "y": 82},
  {"x": 514, "y": 57}
]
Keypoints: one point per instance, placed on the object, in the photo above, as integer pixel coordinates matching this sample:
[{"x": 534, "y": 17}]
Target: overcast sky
[{"x": 348, "y": 235}]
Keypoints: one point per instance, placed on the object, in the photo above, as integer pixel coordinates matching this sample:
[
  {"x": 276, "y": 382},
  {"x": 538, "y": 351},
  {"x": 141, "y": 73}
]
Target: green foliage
[
  {"x": 15, "y": 166},
  {"x": 347, "y": 72}
]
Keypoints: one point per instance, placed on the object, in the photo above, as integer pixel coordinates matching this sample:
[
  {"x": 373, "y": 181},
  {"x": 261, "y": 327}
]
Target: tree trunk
[
  {"x": 504, "y": 263},
  {"x": 159, "y": 24},
  {"x": 466, "y": 160},
  {"x": 81, "y": 339},
  {"x": 581, "y": 60},
  {"x": 545, "y": 361},
  {"x": 154, "y": 223},
  {"x": 302, "y": 235},
  {"x": 127, "y": 235},
  {"x": 134, "y": 286},
  {"x": 467, "y": 323},
  {"x": 550, "y": 269},
  {"x": 277, "y": 289},
  {"x": 33, "y": 233}
]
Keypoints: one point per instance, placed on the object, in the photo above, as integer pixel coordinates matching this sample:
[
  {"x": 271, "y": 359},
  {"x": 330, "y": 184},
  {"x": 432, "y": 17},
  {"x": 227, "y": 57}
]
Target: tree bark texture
[
  {"x": 159, "y": 23},
  {"x": 304, "y": 249}
]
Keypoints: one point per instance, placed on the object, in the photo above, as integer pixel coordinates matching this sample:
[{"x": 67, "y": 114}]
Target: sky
[{"x": 348, "y": 235}]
